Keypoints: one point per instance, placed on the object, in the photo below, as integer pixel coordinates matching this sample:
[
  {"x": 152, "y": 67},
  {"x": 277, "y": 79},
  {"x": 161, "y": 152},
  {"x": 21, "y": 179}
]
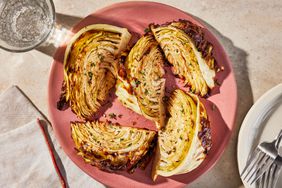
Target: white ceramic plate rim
[{"x": 256, "y": 114}]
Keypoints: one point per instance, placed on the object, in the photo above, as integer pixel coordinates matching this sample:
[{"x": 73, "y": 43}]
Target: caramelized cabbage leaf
[
  {"x": 112, "y": 147},
  {"x": 145, "y": 78},
  {"x": 190, "y": 54},
  {"x": 181, "y": 145},
  {"x": 90, "y": 66}
]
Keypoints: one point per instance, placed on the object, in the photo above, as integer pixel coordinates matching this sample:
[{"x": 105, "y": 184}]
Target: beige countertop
[{"x": 249, "y": 30}]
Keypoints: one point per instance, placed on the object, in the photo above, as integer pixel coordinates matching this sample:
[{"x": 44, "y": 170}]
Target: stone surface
[{"x": 249, "y": 30}]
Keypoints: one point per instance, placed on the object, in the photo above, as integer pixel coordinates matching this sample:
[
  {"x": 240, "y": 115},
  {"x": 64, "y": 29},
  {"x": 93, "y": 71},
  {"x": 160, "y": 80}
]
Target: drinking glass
[{"x": 25, "y": 24}]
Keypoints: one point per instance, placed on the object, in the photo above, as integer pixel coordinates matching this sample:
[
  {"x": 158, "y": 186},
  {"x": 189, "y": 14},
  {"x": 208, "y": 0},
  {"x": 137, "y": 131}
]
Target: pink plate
[{"x": 221, "y": 105}]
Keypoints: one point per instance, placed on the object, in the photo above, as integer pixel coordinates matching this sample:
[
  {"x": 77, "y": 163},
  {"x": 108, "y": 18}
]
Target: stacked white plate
[{"x": 262, "y": 123}]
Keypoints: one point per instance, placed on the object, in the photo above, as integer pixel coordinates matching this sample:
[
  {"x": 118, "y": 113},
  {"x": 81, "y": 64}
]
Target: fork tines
[
  {"x": 270, "y": 177},
  {"x": 264, "y": 161},
  {"x": 258, "y": 163}
]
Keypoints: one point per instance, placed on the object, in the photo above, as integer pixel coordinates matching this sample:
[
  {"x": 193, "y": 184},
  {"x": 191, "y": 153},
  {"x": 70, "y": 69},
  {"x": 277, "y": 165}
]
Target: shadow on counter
[{"x": 63, "y": 23}]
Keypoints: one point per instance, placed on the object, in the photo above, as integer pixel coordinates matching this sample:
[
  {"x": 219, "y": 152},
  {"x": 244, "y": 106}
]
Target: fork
[
  {"x": 270, "y": 177},
  {"x": 261, "y": 160}
]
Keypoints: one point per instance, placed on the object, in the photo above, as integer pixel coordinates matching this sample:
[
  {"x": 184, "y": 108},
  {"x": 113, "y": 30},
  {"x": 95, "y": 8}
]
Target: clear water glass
[{"x": 25, "y": 24}]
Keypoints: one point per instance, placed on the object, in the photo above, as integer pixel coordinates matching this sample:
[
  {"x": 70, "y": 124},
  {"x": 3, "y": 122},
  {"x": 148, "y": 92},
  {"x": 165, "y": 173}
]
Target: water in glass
[{"x": 24, "y": 24}]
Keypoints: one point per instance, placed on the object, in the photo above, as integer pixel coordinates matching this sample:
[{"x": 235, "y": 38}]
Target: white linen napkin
[{"x": 25, "y": 160}]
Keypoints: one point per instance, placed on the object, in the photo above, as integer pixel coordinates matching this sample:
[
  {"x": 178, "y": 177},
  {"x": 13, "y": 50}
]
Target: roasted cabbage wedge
[
  {"x": 90, "y": 67},
  {"x": 189, "y": 52},
  {"x": 112, "y": 147},
  {"x": 143, "y": 88},
  {"x": 185, "y": 141},
  {"x": 126, "y": 96}
]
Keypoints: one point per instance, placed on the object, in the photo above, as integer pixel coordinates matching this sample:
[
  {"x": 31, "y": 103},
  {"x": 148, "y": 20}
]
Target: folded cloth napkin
[
  {"x": 25, "y": 145},
  {"x": 25, "y": 161}
]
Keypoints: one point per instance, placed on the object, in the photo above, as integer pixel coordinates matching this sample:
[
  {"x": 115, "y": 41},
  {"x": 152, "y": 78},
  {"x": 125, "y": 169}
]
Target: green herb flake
[
  {"x": 146, "y": 92},
  {"x": 169, "y": 152},
  {"x": 90, "y": 75},
  {"x": 101, "y": 57},
  {"x": 137, "y": 82},
  {"x": 142, "y": 72},
  {"x": 113, "y": 116},
  {"x": 146, "y": 30}
]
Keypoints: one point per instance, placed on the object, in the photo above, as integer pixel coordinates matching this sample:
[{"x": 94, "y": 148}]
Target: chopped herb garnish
[
  {"x": 142, "y": 72},
  {"x": 113, "y": 116},
  {"x": 137, "y": 82},
  {"x": 182, "y": 111},
  {"x": 129, "y": 144},
  {"x": 146, "y": 92},
  {"x": 122, "y": 139},
  {"x": 169, "y": 152},
  {"x": 146, "y": 30},
  {"x": 90, "y": 75},
  {"x": 120, "y": 116},
  {"x": 101, "y": 57},
  {"x": 92, "y": 64}
]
